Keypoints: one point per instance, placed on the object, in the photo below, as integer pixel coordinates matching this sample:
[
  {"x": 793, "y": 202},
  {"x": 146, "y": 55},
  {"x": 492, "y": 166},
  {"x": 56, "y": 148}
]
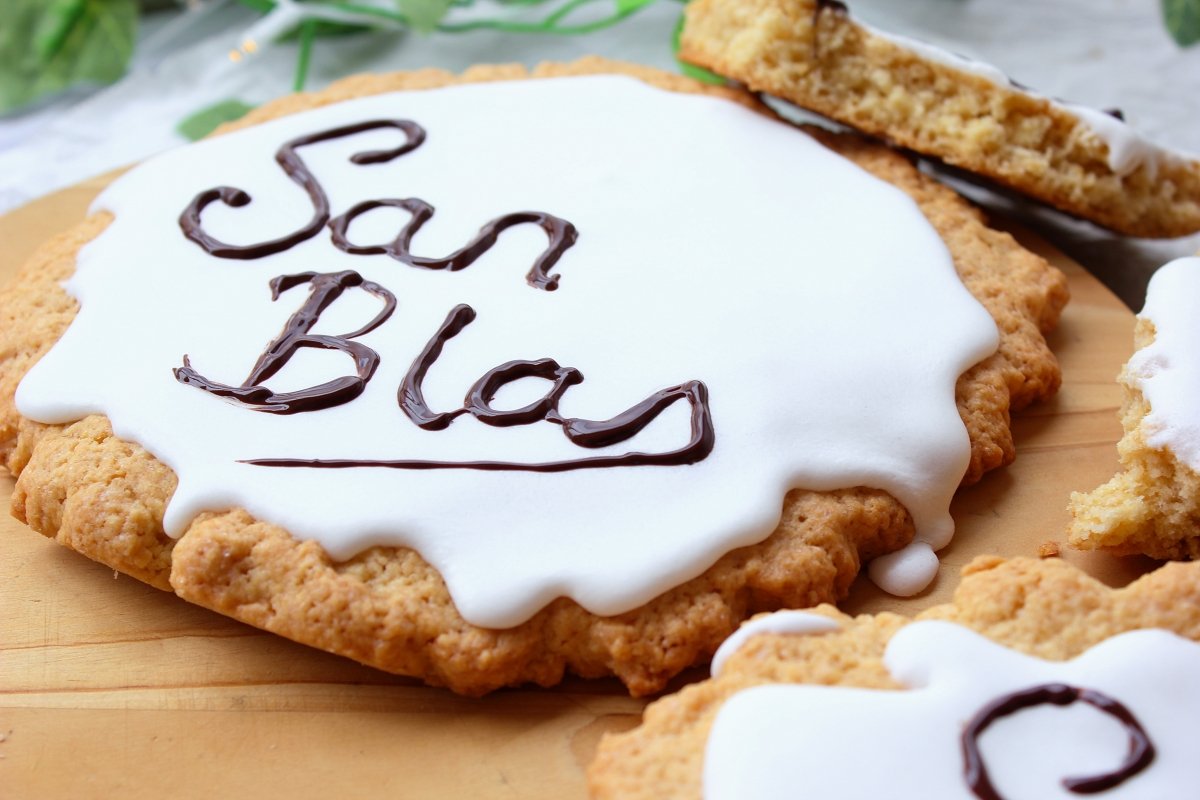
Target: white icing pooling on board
[
  {"x": 798, "y": 623},
  {"x": 815, "y": 302},
  {"x": 1168, "y": 371},
  {"x": 768, "y": 740},
  {"x": 1127, "y": 148}
]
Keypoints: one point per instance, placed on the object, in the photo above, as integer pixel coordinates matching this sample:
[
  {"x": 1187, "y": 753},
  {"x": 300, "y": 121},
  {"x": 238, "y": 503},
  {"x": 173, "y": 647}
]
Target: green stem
[
  {"x": 308, "y": 32},
  {"x": 369, "y": 11},
  {"x": 548, "y": 25}
]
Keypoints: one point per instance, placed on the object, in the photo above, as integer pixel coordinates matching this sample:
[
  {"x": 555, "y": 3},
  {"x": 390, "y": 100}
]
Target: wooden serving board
[{"x": 112, "y": 689}]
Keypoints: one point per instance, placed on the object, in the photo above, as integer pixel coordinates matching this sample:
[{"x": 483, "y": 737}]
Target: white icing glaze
[
  {"x": 797, "y": 623},
  {"x": 944, "y": 57},
  {"x": 1127, "y": 148},
  {"x": 768, "y": 740},
  {"x": 816, "y": 303},
  {"x": 1168, "y": 371}
]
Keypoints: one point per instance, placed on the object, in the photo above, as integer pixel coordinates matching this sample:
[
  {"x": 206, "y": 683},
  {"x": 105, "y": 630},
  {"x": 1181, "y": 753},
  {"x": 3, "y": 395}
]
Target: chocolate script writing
[
  {"x": 326, "y": 288},
  {"x": 560, "y": 233},
  {"x": 1141, "y": 750}
]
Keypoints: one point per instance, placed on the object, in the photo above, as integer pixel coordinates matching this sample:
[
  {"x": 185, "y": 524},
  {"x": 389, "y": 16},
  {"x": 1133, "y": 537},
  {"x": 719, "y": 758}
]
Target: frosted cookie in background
[
  {"x": 1084, "y": 161},
  {"x": 1036, "y": 678},
  {"x": 1153, "y": 505}
]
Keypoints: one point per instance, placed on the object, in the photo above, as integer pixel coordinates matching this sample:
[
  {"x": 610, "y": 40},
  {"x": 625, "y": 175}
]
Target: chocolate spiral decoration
[
  {"x": 1141, "y": 749},
  {"x": 295, "y": 168}
]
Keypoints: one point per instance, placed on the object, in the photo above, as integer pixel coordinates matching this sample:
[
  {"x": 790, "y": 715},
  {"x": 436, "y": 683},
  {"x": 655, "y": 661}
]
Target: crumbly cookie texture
[
  {"x": 1152, "y": 506},
  {"x": 387, "y": 607},
  {"x": 811, "y": 53},
  {"x": 1045, "y": 608}
]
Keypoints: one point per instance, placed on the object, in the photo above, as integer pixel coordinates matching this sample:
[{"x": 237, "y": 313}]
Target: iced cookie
[
  {"x": 1153, "y": 505},
  {"x": 968, "y": 114},
  {"x": 485, "y": 379},
  {"x": 1037, "y": 681}
]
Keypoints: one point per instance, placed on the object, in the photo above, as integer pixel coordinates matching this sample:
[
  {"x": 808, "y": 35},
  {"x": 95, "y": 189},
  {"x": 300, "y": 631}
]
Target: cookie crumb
[{"x": 1049, "y": 550}]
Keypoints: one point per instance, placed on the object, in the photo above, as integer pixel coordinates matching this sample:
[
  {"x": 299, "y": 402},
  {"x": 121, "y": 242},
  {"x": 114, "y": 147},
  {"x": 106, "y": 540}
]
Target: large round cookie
[{"x": 386, "y": 606}]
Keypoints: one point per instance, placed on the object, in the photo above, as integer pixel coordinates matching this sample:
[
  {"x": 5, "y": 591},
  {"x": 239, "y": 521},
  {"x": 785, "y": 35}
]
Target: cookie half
[
  {"x": 936, "y": 703},
  {"x": 388, "y": 604},
  {"x": 1085, "y": 162},
  {"x": 1152, "y": 506}
]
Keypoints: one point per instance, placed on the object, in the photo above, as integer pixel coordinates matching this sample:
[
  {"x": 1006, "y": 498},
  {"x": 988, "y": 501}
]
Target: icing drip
[
  {"x": 907, "y": 571},
  {"x": 1168, "y": 370},
  {"x": 807, "y": 333},
  {"x": 976, "y": 720}
]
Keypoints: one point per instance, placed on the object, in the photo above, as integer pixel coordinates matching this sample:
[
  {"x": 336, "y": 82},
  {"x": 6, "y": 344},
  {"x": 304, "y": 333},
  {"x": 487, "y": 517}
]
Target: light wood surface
[{"x": 111, "y": 689}]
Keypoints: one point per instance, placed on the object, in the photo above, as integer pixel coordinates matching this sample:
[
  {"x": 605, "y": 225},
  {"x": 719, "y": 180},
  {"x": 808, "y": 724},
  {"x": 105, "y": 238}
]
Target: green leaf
[
  {"x": 55, "y": 25},
  {"x": 424, "y": 15},
  {"x": 46, "y": 47},
  {"x": 1183, "y": 20},
  {"x": 206, "y": 120},
  {"x": 261, "y": 6}
]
